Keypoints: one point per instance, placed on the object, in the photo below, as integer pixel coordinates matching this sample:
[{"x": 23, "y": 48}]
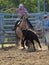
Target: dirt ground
[{"x": 14, "y": 56}]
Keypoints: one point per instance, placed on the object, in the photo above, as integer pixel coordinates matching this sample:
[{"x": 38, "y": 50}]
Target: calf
[{"x": 31, "y": 36}]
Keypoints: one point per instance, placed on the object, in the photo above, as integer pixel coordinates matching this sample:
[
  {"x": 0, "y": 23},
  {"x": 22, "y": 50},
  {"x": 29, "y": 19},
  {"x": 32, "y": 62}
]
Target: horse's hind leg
[{"x": 19, "y": 43}]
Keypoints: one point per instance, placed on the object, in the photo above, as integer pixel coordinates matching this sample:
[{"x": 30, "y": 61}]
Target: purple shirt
[{"x": 21, "y": 11}]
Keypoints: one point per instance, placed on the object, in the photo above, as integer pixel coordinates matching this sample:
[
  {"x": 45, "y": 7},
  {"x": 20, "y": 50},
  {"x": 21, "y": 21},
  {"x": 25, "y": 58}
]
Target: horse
[{"x": 22, "y": 25}]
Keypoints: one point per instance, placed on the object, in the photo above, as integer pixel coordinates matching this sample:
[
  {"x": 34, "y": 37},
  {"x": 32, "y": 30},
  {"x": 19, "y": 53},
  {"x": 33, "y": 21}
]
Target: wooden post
[{"x": 43, "y": 29}]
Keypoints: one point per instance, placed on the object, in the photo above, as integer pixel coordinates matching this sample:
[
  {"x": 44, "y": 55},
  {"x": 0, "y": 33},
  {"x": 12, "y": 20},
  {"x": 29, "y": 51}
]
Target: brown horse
[{"x": 23, "y": 25}]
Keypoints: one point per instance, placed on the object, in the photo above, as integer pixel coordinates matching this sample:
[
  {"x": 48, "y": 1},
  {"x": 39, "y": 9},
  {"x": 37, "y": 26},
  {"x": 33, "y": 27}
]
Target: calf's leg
[{"x": 38, "y": 42}]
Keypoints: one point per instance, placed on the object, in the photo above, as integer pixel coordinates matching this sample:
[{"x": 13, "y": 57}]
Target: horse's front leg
[
  {"x": 22, "y": 43},
  {"x": 18, "y": 42}
]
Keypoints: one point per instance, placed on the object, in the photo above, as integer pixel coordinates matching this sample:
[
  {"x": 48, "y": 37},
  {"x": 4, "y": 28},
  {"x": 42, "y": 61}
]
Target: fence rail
[{"x": 7, "y": 22}]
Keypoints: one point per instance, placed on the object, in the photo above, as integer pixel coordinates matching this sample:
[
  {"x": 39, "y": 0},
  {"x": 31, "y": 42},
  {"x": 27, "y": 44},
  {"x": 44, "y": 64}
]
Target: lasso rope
[{"x": 7, "y": 9}]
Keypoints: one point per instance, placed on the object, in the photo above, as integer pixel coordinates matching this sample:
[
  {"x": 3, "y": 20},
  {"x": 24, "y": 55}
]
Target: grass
[{"x": 7, "y": 45}]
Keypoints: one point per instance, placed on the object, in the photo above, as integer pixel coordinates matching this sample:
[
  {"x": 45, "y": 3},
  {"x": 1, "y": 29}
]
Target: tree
[{"x": 31, "y": 5}]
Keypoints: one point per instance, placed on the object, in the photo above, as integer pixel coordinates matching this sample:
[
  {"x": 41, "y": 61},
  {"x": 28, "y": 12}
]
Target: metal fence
[{"x": 7, "y": 21}]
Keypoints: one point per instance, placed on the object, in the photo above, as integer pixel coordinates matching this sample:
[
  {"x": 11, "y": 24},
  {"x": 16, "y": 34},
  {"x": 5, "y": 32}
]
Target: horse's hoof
[{"x": 23, "y": 49}]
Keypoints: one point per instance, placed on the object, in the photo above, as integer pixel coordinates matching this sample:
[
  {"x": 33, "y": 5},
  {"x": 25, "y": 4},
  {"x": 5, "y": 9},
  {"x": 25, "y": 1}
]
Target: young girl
[{"x": 22, "y": 11}]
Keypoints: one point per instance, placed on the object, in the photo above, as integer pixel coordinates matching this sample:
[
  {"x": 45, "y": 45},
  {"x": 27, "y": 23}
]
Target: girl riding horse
[
  {"x": 22, "y": 12},
  {"x": 23, "y": 23}
]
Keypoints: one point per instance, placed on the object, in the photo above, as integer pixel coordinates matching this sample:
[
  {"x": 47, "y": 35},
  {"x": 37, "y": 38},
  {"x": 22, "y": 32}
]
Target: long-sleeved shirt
[{"x": 21, "y": 11}]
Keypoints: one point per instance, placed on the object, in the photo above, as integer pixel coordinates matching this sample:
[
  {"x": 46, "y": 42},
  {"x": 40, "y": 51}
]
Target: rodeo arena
[{"x": 31, "y": 47}]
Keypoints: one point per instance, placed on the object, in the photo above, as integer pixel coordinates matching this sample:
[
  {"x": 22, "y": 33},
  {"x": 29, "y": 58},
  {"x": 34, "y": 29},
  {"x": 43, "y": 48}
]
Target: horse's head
[
  {"x": 23, "y": 24},
  {"x": 25, "y": 16}
]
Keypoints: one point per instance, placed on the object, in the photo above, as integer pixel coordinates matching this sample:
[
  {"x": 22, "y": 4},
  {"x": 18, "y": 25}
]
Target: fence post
[
  {"x": 1, "y": 29},
  {"x": 43, "y": 29},
  {"x": 38, "y": 6}
]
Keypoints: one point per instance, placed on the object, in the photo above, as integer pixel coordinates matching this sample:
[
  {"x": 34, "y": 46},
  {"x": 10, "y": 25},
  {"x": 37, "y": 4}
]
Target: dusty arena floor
[{"x": 14, "y": 56}]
